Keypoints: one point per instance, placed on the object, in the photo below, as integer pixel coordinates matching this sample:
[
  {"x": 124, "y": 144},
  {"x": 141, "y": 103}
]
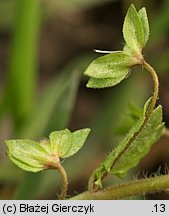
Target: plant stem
[
  {"x": 132, "y": 188},
  {"x": 64, "y": 181},
  {"x": 151, "y": 70}
]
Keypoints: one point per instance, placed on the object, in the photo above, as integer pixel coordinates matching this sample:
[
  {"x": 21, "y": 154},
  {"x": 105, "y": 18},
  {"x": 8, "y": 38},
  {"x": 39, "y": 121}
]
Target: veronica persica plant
[{"x": 106, "y": 71}]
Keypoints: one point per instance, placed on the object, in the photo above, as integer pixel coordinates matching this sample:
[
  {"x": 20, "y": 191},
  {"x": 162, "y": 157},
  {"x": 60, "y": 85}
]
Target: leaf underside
[
  {"x": 104, "y": 83},
  {"x": 27, "y": 154},
  {"x": 110, "y": 69},
  {"x": 133, "y": 147},
  {"x": 112, "y": 65}
]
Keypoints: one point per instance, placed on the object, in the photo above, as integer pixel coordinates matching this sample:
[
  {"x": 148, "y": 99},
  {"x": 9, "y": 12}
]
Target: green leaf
[
  {"x": 134, "y": 146},
  {"x": 60, "y": 141},
  {"x": 65, "y": 144},
  {"x": 141, "y": 145},
  {"x": 144, "y": 20},
  {"x": 104, "y": 83},
  {"x": 133, "y": 31},
  {"x": 78, "y": 139},
  {"x": 114, "y": 65},
  {"x": 27, "y": 154}
]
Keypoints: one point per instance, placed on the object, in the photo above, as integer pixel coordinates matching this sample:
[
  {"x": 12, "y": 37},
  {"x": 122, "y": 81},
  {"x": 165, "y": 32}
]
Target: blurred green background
[{"x": 45, "y": 46}]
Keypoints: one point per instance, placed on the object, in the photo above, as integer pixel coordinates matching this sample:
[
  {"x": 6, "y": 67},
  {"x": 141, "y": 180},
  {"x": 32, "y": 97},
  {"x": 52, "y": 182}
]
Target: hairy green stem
[
  {"x": 64, "y": 182},
  {"x": 151, "y": 70},
  {"x": 132, "y": 188}
]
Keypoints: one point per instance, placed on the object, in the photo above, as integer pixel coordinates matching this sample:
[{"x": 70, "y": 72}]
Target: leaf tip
[
  {"x": 89, "y": 85},
  {"x": 132, "y": 7}
]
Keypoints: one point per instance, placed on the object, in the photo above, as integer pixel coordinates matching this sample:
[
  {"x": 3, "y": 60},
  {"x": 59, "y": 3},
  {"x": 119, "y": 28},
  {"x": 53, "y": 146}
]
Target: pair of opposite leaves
[
  {"x": 112, "y": 68},
  {"x": 36, "y": 156}
]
